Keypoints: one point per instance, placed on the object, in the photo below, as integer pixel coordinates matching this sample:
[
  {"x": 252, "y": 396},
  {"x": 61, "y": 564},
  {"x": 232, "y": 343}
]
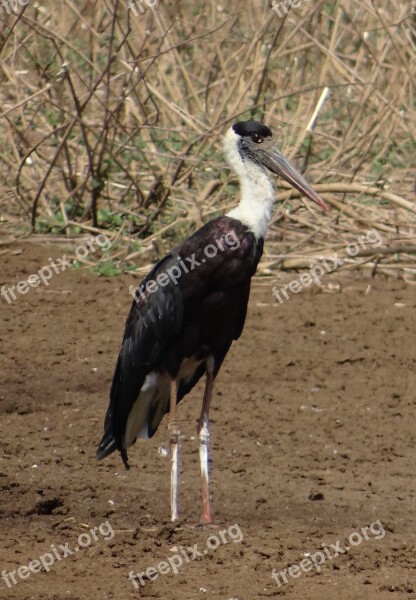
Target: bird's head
[{"x": 250, "y": 142}]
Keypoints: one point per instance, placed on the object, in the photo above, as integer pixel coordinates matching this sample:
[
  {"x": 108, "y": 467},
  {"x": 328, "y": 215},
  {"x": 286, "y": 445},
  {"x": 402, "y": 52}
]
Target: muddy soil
[{"x": 313, "y": 450}]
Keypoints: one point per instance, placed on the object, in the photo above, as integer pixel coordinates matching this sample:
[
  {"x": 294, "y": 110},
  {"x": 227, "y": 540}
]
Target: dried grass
[{"x": 114, "y": 121}]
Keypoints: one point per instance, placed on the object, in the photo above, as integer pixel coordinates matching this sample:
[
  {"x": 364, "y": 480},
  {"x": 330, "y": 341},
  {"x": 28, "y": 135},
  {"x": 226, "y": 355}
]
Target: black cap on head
[{"x": 244, "y": 128}]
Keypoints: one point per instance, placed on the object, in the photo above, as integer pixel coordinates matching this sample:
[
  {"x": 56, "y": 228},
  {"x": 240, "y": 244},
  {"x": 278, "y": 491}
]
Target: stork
[{"x": 190, "y": 308}]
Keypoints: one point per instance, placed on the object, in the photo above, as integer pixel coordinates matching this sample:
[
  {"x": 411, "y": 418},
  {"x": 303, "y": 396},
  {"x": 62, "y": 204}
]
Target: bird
[{"x": 190, "y": 308}]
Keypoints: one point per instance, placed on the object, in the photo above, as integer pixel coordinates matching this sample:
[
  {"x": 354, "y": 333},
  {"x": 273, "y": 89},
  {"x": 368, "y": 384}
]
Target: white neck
[{"x": 257, "y": 194}]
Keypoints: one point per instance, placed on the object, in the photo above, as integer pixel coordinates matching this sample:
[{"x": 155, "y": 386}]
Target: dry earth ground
[{"x": 313, "y": 438}]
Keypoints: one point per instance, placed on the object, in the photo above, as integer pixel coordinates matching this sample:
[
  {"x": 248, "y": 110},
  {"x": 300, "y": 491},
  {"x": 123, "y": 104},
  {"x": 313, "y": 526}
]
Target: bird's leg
[
  {"x": 174, "y": 450},
  {"x": 203, "y": 434}
]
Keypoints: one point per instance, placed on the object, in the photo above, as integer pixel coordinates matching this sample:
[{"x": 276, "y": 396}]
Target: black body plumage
[{"x": 198, "y": 315}]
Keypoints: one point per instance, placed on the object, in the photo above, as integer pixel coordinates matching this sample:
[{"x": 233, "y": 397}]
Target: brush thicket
[{"x": 113, "y": 118}]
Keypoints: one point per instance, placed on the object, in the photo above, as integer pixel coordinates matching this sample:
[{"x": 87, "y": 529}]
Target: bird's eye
[{"x": 256, "y": 138}]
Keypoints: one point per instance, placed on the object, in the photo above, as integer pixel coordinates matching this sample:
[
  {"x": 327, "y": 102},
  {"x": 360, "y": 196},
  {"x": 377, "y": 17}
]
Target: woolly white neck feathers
[{"x": 257, "y": 194}]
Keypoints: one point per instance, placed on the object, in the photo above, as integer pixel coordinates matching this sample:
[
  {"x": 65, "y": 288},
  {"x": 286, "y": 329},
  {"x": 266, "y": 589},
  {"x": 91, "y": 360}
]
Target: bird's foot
[{"x": 203, "y": 525}]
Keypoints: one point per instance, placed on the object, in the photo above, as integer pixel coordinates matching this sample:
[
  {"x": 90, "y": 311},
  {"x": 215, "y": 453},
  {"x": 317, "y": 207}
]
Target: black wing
[{"x": 150, "y": 323}]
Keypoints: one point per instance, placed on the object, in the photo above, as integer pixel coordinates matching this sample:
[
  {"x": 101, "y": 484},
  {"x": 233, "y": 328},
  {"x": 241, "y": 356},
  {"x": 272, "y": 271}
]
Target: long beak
[{"x": 279, "y": 165}]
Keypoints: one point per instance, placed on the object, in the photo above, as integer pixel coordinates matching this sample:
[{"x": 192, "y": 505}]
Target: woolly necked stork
[{"x": 191, "y": 306}]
